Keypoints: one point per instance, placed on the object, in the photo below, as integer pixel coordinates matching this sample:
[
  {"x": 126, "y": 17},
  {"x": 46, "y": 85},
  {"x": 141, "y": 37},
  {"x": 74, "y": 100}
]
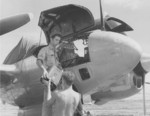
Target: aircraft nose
[{"x": 114, "y": 50}]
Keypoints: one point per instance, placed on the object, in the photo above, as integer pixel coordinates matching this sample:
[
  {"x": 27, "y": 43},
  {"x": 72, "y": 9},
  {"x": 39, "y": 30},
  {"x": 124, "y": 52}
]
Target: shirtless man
[{"x": 64, "y": 101}]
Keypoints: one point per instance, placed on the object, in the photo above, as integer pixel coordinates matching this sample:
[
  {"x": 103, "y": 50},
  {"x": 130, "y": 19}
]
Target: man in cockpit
[{"x": 47, "y": 56}]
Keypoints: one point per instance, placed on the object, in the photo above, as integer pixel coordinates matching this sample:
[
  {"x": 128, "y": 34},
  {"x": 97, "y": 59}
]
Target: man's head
[
  {"x": 68, "y": 78},
  {"x": 55, "y": 39}
]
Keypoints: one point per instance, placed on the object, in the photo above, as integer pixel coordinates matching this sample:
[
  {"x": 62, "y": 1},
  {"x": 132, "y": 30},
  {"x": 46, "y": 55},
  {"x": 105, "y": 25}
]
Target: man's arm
[
  {"x": 47, "y": 90},
  {"x": 49, "y": 97},
  {"x": 53, "y": 98},
  {"x": 40, "y": 62}
]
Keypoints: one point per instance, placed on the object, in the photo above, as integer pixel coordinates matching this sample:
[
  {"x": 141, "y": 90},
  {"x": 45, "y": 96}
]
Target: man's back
[{"x": 66, "y": 102}]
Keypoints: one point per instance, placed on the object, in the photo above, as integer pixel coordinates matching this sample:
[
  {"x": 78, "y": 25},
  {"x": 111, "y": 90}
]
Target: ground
[{"x": 132, "y": 106}]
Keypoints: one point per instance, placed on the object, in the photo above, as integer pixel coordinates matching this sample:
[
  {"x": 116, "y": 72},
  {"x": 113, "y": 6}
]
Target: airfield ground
[{"x": 132, "y": 106}]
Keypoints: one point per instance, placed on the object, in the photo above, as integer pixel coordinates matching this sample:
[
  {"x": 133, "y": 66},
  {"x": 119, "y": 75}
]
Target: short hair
[
  {"x": 68, "y": 77},
  {"x": 57, "y": 34}
]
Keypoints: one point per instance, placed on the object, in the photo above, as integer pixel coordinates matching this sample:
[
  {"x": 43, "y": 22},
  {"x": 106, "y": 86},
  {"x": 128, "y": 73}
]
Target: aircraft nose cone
[{"x": 114, "y": 50}]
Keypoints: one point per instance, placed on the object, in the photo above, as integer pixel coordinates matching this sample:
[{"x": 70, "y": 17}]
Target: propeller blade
[
  {"x": 145, "y": 61},
  {"x": 14, "y": 22}
]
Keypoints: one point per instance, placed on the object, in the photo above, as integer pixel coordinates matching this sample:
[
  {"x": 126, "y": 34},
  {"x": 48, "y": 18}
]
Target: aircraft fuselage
[{"x": 112, "y": 55}]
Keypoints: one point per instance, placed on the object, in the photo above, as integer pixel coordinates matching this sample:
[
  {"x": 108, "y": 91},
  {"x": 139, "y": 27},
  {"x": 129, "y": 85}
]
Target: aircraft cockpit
[{"x": 71, "y": 21}]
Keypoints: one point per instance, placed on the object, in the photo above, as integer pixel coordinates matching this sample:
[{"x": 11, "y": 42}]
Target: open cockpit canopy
[{"x": 68, "y": 20}]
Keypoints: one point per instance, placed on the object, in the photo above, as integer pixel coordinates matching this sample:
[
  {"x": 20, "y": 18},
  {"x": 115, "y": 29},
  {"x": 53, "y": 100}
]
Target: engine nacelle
[{"x": 126, "y": 86}]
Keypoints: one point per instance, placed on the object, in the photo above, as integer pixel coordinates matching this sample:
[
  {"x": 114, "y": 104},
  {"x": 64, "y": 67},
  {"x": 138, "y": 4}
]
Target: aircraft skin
[
  {"x": 107, "y": 75},
  {"x": 23, "y": 88}
]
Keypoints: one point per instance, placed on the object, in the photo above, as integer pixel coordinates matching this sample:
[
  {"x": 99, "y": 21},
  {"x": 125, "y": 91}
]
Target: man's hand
[
  {"x": 45, "y": 74},
  {"x": 47, "y": 83}
]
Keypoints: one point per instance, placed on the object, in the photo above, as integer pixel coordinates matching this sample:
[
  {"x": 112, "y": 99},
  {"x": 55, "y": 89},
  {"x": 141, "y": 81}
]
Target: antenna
[{"x": 101, "y": 16}]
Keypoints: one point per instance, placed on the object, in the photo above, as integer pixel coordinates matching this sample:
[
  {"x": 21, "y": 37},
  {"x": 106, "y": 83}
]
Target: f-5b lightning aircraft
[{"x": 113, "y": 65}]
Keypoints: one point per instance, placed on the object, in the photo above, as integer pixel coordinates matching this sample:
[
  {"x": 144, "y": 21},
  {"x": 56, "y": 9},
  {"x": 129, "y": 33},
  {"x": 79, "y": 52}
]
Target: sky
[{"x": 136, "y": 13}]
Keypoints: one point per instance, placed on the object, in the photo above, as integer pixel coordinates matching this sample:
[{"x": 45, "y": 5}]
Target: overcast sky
[{"x": 136, "y": 13}]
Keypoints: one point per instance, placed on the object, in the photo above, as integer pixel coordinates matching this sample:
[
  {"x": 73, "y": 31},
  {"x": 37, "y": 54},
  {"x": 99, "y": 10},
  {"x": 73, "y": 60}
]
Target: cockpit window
[
  {"x": 116, "y": 25},
  {"x": 84, "y": 73},
  {"x": 66, "y": 27},
  {"x": 68, "y": 20}
]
